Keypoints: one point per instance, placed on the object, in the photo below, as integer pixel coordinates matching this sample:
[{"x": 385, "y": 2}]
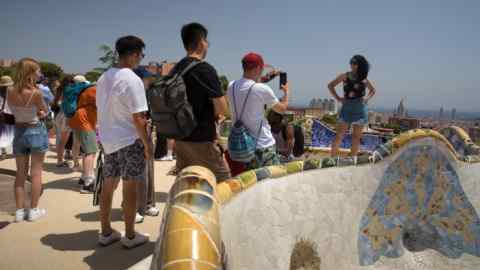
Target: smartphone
[{"x": 283, "y": 78}]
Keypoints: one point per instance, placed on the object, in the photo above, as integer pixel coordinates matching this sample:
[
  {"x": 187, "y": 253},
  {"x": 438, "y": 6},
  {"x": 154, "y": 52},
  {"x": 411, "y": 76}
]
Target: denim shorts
[
  {"x": 30, "y": 140},
  {"x": 354, "y": 112}
]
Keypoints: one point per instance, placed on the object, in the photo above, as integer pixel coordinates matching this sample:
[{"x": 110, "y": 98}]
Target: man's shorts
[
  {"x": 127, "y": 163},
  {"x": 88, "y": 141},
  {"x": 206, "y": 154}
]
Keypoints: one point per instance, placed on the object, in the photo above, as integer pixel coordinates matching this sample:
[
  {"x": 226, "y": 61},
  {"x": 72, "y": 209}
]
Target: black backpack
[
  {"x": 170, "y": 111},
  {"x": 299, "y": 146}
]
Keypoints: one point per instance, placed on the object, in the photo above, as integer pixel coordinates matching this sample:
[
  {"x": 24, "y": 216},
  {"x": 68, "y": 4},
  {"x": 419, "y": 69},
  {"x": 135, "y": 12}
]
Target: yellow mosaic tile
[
  {"x": 235, "y": 185},
  {"x": 277, "y": 171},
  {"x": 294, "y": 166},
  {"x": 224, "y": 193},
  {"x": 248, "y": 179}
]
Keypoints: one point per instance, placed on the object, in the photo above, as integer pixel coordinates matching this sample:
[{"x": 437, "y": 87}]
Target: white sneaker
[
  {"x": 152, "y": 211},
  {"x": 20, "y": 215},
  {"x": 166, "y": 158},
  {"x": 138, "y": 218},
  {"x": 138, "y": 240},
  {"x": 36, "y": 213},
  {"x": 108, "y": 240}
]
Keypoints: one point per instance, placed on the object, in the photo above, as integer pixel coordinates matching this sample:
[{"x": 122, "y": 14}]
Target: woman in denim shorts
[
  {"x": 31, "y": 138},
  {"x": 354, "y": 110}
]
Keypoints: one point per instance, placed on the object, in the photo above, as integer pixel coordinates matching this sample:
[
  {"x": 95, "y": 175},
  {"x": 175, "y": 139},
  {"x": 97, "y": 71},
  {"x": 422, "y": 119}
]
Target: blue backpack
[
  {"x": 241, "y": 144},
  {"x": 70, "y": 97}
]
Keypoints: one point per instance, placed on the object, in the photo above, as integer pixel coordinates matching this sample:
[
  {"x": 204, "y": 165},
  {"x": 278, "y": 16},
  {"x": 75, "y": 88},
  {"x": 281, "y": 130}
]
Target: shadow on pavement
[
  {"x": 7, "y": 199},
  {"x": 161, "y": 197},
  {"x": 4, "y": 224},
  {"x": 94, "y": 216},
  {"x": 111, "y": 257},
  {"x": 70, "y": 183},
  {"x": 52, "y": 167}
]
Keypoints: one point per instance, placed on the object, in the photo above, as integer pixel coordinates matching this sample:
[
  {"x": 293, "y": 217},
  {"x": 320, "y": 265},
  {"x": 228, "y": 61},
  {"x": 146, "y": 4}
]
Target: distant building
[
  {"x": 6, "y": 63},
  {"x": 440, "y": 114},
  {"x": 377, "y": 118},
  {"x": 474, "y": 133},
  {"x": 328, "y": 105},
  {"x": 301, "y": 112},
  {"x": 405, "y": 123},
  {"x": 297, "y": 112},
  {"x": 401, "y": 110},
  {"x": 454, "y": 113},
  {"x": 315, "y": 112}
]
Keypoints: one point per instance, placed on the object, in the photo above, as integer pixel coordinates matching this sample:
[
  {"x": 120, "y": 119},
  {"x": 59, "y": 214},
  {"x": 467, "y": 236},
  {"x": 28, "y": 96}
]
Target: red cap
[{"x": 252, "y": 60}]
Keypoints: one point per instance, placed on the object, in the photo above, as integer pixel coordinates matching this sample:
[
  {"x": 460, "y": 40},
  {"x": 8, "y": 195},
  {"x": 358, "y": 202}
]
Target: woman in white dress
[{"x": 6, "y": 131}]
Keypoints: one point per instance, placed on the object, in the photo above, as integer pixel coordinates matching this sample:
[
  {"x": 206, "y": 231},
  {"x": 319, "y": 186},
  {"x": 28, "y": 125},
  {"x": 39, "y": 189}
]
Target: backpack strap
[
  {"x": 244, "y": 102},
  {"x": 188, "y": 68}
]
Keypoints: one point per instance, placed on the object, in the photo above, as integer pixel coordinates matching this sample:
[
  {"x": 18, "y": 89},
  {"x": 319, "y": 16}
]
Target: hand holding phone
[
  {"x": 284, "y": 88},
  {"x": 283, "y": 79}
]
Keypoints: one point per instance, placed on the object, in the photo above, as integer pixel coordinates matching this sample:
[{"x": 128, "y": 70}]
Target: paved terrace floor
[{"x": 67, "y": 237}]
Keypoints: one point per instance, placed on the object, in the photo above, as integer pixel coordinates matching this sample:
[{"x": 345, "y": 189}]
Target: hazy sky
[{"x": 425, "y": 51}]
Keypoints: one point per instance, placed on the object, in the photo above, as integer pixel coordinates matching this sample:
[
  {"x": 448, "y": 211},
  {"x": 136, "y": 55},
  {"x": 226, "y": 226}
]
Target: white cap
[{"x": 79, "y": 79}]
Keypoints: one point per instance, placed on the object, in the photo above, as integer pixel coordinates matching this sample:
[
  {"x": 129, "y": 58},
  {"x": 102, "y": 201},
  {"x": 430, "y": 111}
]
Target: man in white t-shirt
[
  {"x": 121, "y": 104},
  {"x": 261, "y": 95}
]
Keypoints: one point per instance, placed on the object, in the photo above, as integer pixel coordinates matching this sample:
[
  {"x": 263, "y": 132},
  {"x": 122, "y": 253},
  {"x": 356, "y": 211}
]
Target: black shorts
[{"x": 127, "y": 163}]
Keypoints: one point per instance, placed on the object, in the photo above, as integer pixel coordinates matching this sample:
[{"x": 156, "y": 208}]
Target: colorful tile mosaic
[
  {"x": 248, "y": 179},
  {"x": 460, "y": 141},
  {"x": 419, "y": 196},
  {"x": 419, "y": 203},
  {"x": 323, "y": 136},
  {"x": 294, "y": 166},
  {"x": 262, "y": 173}
]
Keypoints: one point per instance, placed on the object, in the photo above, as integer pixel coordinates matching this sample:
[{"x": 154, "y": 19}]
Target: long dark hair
[
  {"x": 363, "y": 66},
  {"x": 67, "y": 80}
]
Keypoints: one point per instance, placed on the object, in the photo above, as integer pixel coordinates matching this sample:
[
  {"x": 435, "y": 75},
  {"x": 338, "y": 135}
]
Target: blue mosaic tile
[
  {"x": 419, "y": 204},
  {"x": 322, "y": 136},
  {"x": 262, "y": 173}
]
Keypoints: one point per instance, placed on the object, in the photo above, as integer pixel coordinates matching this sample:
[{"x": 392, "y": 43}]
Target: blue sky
[{"x": 427, "y": 52}]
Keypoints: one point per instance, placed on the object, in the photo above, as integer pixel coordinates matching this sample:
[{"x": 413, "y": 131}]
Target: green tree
[
  {"x": 109, "y": 58},
  {"x": 10, "y": 71},
  {"x": 224, "y": 83},
  {"x": 224, "y": 86},
  {"x": 51, "y": 70},
  {"x": 93, "y": 75}
]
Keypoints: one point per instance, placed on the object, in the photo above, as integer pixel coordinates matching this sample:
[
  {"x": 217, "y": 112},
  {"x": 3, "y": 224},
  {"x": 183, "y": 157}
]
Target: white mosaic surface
[{"x": 261, "y": 225}]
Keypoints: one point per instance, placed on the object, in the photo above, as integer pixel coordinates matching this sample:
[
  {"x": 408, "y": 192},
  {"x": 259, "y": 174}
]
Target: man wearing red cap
[{"x": 253, "y": 117}]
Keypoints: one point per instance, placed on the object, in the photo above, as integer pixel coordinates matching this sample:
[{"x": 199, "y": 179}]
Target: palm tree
[{"x": 109, "y": 58}]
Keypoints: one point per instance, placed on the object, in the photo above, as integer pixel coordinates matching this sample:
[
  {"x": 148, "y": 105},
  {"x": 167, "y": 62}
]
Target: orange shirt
[{"x": 85, "y": 118}]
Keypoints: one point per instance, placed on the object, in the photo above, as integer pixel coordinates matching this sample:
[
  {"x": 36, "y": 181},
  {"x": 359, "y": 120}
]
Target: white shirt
[
  {"x": 254, "y": 113},
  {"x": 120, "y": 93}
]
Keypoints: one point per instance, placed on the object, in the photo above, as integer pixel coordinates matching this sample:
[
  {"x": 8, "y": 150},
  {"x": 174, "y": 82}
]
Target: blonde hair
[{"x": 25, "y": 75}]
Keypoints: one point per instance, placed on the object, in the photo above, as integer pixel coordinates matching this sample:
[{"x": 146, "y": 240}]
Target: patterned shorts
[{"x": 127, "y": 163}]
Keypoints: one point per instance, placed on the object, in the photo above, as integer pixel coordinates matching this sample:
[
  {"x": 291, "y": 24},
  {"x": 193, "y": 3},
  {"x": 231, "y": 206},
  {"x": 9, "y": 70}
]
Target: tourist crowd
[{"x": 115, "y": 119}]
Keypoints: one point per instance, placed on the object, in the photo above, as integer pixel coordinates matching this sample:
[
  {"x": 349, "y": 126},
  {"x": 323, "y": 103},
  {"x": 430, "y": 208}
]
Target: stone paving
[{"x": 67, "y": 237}]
